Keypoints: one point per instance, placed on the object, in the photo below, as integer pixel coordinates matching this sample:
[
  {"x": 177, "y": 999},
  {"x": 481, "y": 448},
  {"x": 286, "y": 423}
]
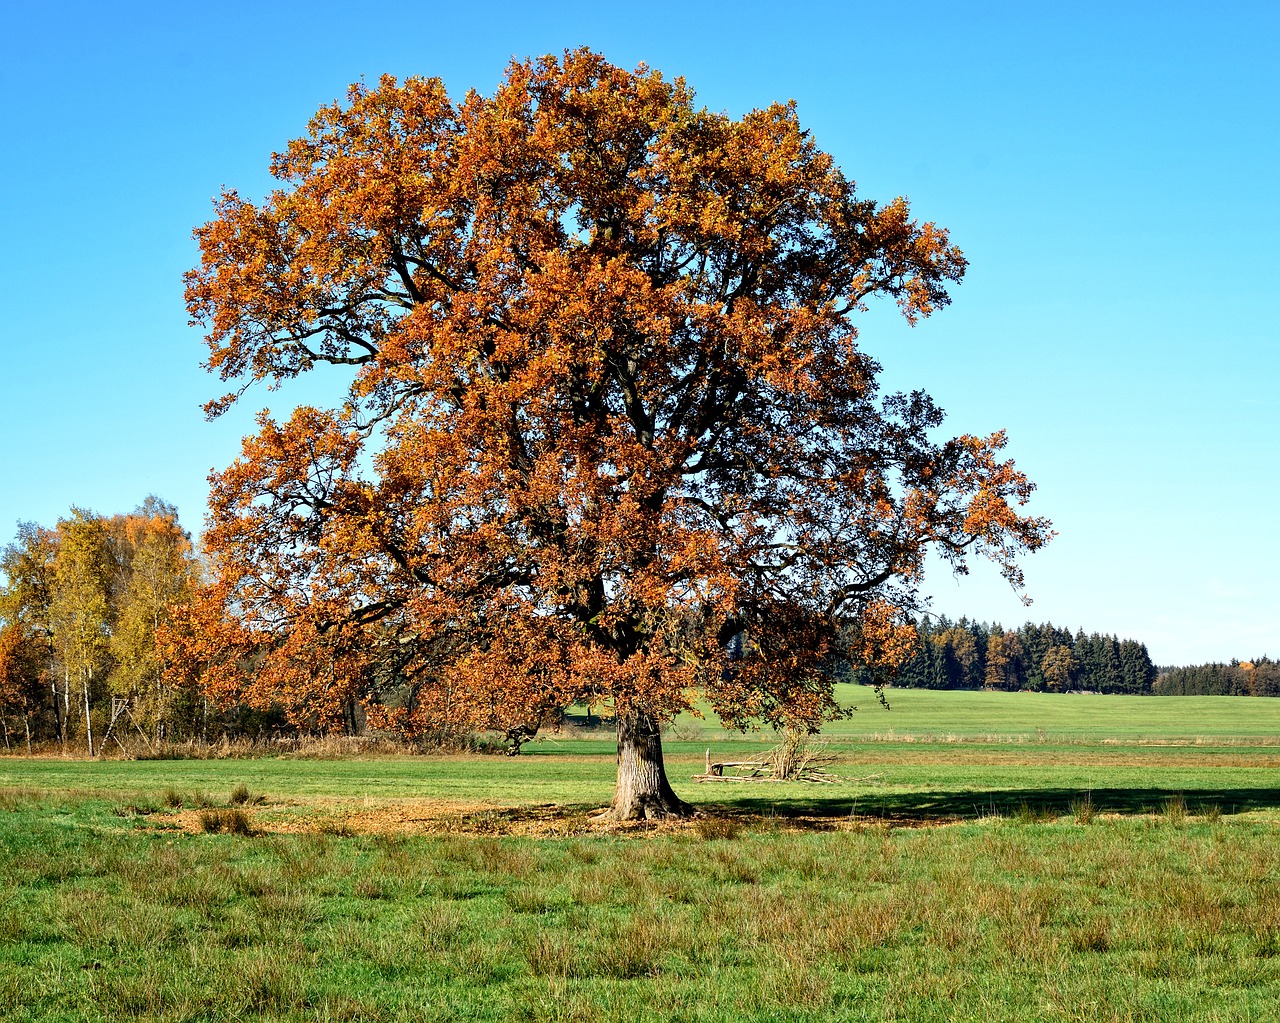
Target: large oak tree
[{"x": 607, "y": 433}]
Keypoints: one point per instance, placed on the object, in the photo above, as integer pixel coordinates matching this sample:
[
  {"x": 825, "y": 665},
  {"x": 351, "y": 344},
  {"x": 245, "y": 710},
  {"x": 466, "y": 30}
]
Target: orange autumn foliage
[
  {"x": 21, "y": 656},
  {"x": 608, "y": 434}
]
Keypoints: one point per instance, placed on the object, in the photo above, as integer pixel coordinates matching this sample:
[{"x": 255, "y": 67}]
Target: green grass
[
  {"x": 1103, "y": 859},
  {"x": 1175, "y": 917},
  {"x": 903, "y": 781},
  {"x": 1069, "y": 717}
]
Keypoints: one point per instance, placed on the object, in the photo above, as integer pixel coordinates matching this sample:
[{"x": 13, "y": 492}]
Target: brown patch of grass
[
  {"x": 1083, "y": 810},
  {"x": 326, "y": 816},
  {"x": 1175, "y": 810},
  {"x": 708, "y": 826}
]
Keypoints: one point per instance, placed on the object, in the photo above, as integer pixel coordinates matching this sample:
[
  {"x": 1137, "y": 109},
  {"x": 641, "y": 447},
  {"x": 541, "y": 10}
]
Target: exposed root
[{"x": 648, "y": 809}]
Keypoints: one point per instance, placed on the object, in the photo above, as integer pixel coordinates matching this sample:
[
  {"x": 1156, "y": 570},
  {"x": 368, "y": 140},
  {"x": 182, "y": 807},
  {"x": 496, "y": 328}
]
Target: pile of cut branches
[
  {"x": 801, "y": 757},
  {"x": 797, "y": 757}
]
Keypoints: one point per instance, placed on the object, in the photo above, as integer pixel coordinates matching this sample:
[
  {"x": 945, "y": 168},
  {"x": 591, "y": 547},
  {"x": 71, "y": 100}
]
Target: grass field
[
  {"x": 1002, "y": 857},
  {"x": 1059, "y": 717}
]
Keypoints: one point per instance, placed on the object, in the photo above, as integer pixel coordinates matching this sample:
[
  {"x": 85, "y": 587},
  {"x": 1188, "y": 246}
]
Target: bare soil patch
[{"x": 437, "y": 817}]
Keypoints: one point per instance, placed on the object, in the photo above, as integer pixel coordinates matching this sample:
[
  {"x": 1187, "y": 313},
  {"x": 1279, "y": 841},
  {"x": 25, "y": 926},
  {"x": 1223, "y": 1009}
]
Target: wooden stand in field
[
  {"x": 742, "y": 770},
  {"x": 121, "y": 708},
  {"x": 763, "y": 770}
]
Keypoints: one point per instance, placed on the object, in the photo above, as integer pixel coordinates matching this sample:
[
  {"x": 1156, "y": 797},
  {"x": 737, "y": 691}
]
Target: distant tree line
[
  {"x": 1260, "y": 677},
  {"x": 1044, "y": 657},
  {"x": 976, "y": 655}
]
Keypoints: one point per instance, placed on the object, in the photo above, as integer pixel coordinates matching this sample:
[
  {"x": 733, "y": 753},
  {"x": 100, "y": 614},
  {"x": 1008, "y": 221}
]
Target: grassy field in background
[
  {"x": 908, "y": 782},
  {"x": 1071, "y": 717},
  {"x": 1001, "y": 857}
]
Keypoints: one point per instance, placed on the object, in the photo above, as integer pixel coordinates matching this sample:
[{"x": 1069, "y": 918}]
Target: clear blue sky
[{"x": 1111, "y": 171}]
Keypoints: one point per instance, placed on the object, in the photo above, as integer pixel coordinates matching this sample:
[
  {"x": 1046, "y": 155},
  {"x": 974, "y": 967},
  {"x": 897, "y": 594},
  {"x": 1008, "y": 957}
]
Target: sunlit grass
[
  {"x": 1169, "y": 916},
  {"x": 914, "y": 780},
  {"x": 942, "y": 715},
  {"x": 1120, "y": 873}
]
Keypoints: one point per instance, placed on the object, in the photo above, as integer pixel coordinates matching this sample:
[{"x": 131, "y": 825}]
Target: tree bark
[
  {"x": 642, "y": 791},
  {"x": 59, "y": 716},
  {"x": 88, "y": 721}
]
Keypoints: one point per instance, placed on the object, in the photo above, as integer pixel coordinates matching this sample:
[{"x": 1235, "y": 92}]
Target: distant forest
[
  {"x": 1259, "y": 677},
  {"x": 1044, "y": 657}
]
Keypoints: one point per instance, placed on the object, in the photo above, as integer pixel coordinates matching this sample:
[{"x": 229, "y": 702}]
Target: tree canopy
[{"x": 607, "y": 433}]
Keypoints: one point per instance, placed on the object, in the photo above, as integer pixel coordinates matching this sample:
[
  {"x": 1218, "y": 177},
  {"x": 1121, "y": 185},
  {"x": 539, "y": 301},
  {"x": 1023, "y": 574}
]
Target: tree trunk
[
  {"x": 59, "y": 722},
  {"x": 88, "y": 721},
  {"x": 642, "y": 791}
]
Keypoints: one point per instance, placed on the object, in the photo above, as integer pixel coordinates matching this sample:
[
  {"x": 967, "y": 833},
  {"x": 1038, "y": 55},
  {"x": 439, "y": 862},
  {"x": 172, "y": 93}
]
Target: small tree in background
[
  {"x": 81, "y": 608},
  {"x": 1058, "y": 667},
  {"x": 29, "y": 566},
  {"x": 23, "y": 660},
  {"x": 156, "y": 572}
]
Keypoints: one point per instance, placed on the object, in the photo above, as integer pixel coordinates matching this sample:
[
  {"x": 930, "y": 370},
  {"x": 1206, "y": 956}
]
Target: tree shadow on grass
[
  {"x": 835, "y": 811},
  {"x": 916, "y": 808}
]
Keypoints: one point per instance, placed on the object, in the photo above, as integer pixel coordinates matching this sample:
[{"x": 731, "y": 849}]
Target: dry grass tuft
[
  {"x": 226, "y": 822},
  {"x": 241, "y": 796},
  {"x": 1083, "y": 809},
  {"x": 1175, "y": 811}
]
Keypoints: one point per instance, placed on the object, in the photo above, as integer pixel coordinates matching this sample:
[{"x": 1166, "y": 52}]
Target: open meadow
[{"x": 983, "y": 856}]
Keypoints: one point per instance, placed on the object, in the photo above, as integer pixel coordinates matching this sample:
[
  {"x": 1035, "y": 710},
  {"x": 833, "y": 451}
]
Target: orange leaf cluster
[{"x": 608, "y": 434}]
